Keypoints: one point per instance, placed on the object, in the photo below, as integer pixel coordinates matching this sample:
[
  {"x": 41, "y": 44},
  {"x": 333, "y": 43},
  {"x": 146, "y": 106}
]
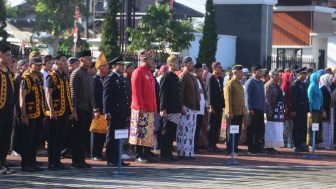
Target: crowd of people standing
[{"x": 83, "y": 103}]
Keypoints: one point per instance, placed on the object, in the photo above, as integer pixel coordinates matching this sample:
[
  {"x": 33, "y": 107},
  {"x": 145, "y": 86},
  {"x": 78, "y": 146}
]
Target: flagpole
[{"x": 76, "y": 28}]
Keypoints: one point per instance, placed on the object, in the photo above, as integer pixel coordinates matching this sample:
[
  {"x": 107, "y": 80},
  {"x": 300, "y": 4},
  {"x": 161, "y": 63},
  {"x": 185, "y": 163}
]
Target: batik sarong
[
  {"x": 274, "y": 134},
  {"x": 142, "y": 129},
  {"x": 328, "y": 132},
  {"x": 185, "y": 133}
]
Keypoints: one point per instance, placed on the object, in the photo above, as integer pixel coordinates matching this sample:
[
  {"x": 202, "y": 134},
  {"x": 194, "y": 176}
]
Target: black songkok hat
[
  {"x": 255, "y": 68},
  {"x": 118, "y": 60},
  {"x": 84, "y": 53},
  {"x": 198, "y": 66}
]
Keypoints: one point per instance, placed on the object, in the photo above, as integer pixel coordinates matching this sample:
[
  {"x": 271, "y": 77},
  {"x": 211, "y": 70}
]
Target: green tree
[
  {"x": 208, "y": 43},
  {"x": 3, "y": 24},
  {"x": 11, "y": 12},
  {"x": 56, "y": 16},
  {"x": 110, "y": 32},
  {"x": 158, "y": 27}
]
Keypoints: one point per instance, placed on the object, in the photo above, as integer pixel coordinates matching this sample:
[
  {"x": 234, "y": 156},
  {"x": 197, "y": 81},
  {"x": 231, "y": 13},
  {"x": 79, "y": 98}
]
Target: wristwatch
[{"x": 23, "y": 116}]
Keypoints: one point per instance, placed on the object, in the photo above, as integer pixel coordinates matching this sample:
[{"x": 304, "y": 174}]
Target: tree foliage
[
  {"x": 110, "y": 32},
  {"x": 3, "y": 24},
  {"x": 208, "y": 44},
  {"x": 11, "y": 12},
  {"x": 56, "y": 16},
  {"x": 158, "y": 27}
]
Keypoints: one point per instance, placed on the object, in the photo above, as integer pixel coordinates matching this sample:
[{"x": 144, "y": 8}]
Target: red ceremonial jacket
[{"x": 143, "y": 90}]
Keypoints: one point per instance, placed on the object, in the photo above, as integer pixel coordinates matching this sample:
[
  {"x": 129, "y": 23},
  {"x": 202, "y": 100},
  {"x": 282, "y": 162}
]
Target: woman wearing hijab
[
  {"x": 315, "y": 109},
  {"x": 328, "y": 121},
  {"x": 288, "y": 125}
]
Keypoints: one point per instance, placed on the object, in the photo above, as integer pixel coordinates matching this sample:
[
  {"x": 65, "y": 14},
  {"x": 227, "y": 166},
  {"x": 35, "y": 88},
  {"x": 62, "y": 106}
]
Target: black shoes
[
  {"x": 116, "y": 164},
  {"x": 37, "y": 168},
  {"x": 153, "y": 155},
  {"x": 183, "y": 158},
  {"x": 173, "y": 158},
  {"x": 152, "y": 160},
  {"x": 29, "y": 169},
  {"x": 63, "y": 167},
  {"x": 80, "y": 165},
  {"x": 53, "y": 167},
  {"x": 214, "y": 149},
  {"x": 167, "y": 159}
]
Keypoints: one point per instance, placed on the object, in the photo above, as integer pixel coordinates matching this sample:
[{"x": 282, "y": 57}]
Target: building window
[{"x": 289, "y": 53}]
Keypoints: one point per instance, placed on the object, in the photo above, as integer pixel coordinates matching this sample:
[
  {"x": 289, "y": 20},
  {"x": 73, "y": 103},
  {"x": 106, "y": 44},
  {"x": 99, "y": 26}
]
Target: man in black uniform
[
  {"x": 58, "y": 100},
  {"x": 116, "y": 108},
  {"x": 299, "y": 109},
  {"x": 6, "y": 105},
  {"x": 33, "y": 112},
  {"x": 215, "y": 105}
]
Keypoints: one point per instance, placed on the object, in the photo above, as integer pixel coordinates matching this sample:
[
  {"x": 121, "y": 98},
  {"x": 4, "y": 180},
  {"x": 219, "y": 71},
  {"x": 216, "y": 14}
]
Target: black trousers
[
  {"x": 31, "y": 140},
  {"x": 167, "y": 137},
  {"x": 97, "y": 144},
  {"x": 66, "y": 148},
  {"x": 215, "y": 121},
  {"x": 112, "y": 145},
  {"x": 236, "y": 120},
  {"x": 6, "y": 123},
  {"x": 80, "y": 135},
  {"x": 142, "y": 151},
  {"x": 254, "y": 124},
  {"x": 17, "y": 135},
  {"x": 198, "y": 130},
  {"x": 299, "y": 129},
  {"x": 158, "y": 136},
  {"x": 57, "y": 130}
]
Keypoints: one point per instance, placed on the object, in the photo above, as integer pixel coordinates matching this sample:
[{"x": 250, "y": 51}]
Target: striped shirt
[{"x": 81, "y": 87}]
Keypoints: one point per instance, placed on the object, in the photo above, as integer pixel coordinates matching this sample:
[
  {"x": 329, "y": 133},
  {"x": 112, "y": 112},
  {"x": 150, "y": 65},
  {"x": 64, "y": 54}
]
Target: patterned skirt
[
  {"x": 328, "y": 132},
  {"x": 185, "y": 133},
  {"x": 316, "y": 118},
  {"x": 288, "y": 130},
  {"x": 142, "y": 129},
  {"x": 127, "y": 148},
  {"x": 274, "y": 134}
]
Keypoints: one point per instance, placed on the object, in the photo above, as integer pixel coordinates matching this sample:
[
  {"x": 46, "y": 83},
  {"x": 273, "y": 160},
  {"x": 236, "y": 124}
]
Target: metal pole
[
  {"x": 119, "y": 166},
  {"x": 232, "y": 150},
  {"x": 314, "y": 143}
]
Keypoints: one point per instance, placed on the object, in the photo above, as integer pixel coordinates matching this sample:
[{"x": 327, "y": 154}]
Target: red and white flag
[
  {"x": 171, "y": 4},
  {"x": 22, "y": 47}
]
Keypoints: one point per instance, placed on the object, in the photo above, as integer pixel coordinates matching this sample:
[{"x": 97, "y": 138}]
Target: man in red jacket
[{"x": 143, "y": 109}]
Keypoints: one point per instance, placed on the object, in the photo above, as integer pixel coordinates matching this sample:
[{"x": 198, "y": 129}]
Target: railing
[{"x": 275, "y": 62}]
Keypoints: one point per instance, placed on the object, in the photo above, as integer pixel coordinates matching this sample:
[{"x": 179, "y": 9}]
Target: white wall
[
  {"x": 331, "y": 54},
  {"x": 226, "y": 49},
  {"x": 319, "y": 44}
]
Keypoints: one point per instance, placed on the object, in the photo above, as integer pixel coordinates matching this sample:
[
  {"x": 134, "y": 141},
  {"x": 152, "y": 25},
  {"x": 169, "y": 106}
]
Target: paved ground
[
  {"x": 207, "y": 171},
  {"x": 197, "y": 177},
  {"x": 288, "y": 158}
]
